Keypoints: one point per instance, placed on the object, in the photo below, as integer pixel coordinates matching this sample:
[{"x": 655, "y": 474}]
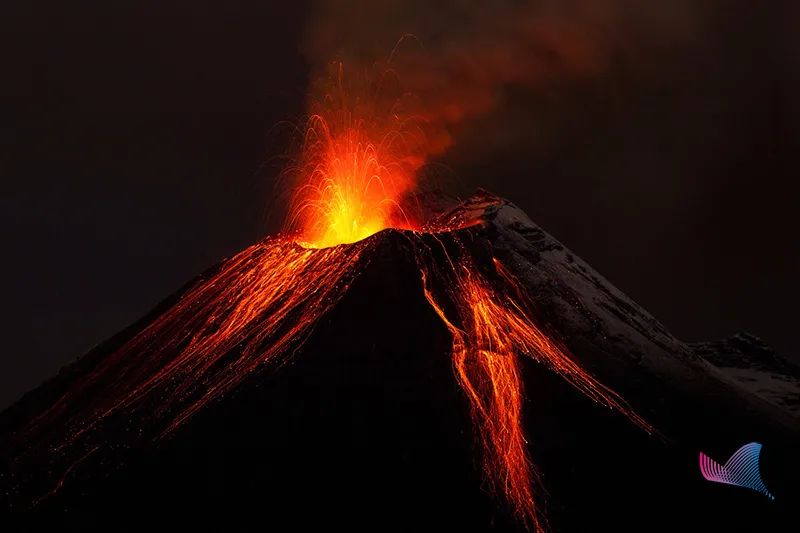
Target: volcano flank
[{"x": 476, "y": 375}]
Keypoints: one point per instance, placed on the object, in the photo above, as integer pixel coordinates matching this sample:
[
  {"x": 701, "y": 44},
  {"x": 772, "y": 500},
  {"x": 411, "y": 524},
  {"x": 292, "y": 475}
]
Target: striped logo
[{"x": 741, "y": 470}]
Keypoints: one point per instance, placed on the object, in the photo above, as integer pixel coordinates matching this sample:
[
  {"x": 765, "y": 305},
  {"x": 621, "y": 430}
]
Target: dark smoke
[{"x": 460, "y": 59}]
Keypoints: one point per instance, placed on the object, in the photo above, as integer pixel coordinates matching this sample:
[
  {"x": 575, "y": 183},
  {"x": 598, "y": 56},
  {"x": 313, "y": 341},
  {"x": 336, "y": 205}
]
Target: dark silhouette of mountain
[{"x": 364, "y": 427}]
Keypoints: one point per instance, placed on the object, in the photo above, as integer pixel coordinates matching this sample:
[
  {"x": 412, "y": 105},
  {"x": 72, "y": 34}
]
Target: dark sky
[{"x": 137, "y": 143}]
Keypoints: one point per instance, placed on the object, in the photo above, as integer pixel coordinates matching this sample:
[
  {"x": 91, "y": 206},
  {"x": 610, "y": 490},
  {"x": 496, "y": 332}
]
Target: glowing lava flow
[
  {"x": 491, "y": 327},
  {"x": 254, "y": 311}
]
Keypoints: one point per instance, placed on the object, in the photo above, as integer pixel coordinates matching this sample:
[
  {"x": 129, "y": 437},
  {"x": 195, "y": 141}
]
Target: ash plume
[{"x": 458, "y": 59}]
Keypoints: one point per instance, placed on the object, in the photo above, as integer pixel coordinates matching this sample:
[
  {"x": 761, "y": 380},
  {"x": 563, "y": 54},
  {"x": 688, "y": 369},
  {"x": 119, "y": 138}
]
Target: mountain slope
[{"x": 363, "y": 424}]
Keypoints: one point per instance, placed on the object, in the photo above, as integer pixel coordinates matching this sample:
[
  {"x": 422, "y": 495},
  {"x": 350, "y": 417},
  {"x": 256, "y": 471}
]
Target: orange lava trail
[
  {"x": 256, "y": 310},
  {"x": 491, "y": 327}
]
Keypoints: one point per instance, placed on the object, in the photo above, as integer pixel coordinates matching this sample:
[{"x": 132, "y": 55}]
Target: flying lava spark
[
  {"x": 253, "y": 312},
  {"x": 358, "y": 158}
]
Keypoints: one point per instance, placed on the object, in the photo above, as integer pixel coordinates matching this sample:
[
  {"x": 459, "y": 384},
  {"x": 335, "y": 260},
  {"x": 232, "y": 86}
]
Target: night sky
[{"x": 138, "y": 147}]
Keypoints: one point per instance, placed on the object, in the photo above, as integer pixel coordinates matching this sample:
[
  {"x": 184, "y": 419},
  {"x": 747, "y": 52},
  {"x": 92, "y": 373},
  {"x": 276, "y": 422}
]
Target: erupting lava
[
  {"x": 356, "y": 163},
  {"x": 259, "y": 306},
  {"x": 350, "y": 193}
]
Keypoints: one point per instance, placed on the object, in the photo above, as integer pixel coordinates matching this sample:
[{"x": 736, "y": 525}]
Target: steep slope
[{"x": 616, "y": 335}]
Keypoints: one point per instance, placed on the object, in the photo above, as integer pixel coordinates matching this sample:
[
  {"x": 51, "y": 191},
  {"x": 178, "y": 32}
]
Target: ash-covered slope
[
  {"x": 751, "y": 364},
  {"x": 609, "y": 330},
  {"x": 364, "y": 426}
]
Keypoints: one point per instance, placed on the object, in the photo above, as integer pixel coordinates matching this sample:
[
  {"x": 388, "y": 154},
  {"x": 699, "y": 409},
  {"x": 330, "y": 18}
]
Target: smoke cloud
[{"x": 460, "y": 58}]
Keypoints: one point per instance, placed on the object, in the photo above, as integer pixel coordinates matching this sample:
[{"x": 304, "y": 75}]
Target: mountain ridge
[{"x": 380, "y": 355}]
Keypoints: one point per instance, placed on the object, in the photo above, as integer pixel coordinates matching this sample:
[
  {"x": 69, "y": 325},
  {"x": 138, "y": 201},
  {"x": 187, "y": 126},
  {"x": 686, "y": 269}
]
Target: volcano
[{"x": 477, "y": 375}]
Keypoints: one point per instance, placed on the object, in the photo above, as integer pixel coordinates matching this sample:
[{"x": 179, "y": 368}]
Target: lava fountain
[
  {"x": 360, "y": 159},
  {"x": 360, "y": 155}
]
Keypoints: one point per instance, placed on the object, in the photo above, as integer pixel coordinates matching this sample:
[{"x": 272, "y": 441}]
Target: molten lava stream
[
  {"x": 258, "y": 308},
  {"x": 491, "y": 327}
]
